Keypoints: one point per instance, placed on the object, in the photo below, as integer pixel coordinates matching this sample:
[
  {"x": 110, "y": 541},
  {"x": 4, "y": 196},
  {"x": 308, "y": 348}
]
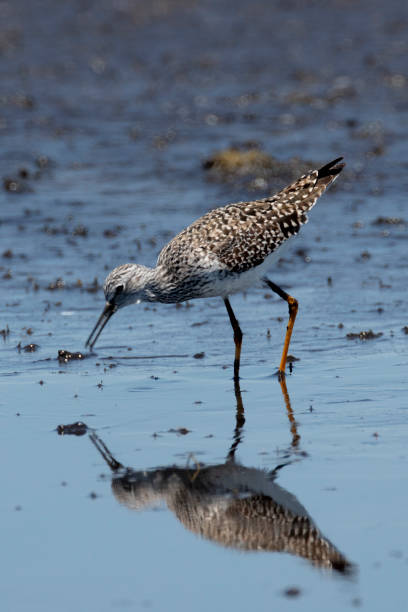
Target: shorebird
[
  {"x": 233, "y": 505},
  {"x": 226, "y": 251}
]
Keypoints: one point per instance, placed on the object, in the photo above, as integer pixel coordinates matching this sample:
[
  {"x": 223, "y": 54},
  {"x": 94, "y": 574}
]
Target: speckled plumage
[
  {"x": 235, "y": 506},
  {"x": 240, "y": 236},
  {"x": 212, "y": 255},
  {"x": 227, "y": 250}
]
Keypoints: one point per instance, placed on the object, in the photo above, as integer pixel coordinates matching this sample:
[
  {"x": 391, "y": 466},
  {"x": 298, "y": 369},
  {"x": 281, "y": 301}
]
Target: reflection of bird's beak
[{"x": 107, "y": 312}]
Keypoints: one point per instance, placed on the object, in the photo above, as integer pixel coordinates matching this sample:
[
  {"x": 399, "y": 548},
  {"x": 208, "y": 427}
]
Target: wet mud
[{"x": 121, "y": 123}]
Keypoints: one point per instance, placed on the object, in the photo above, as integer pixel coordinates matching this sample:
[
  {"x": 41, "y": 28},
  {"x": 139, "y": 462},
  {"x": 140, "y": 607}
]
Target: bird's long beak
[{"x": 107, "y": 312}]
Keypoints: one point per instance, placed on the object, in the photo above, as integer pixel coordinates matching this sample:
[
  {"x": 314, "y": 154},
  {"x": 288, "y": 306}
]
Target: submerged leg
[
  {"x": 237, "y": 337},
  {"x": 239, "y": 422},
  {"x": 293, "y": 309},
  {"x": 291, "y": 416},
  {"x": 105, "y": 452}
]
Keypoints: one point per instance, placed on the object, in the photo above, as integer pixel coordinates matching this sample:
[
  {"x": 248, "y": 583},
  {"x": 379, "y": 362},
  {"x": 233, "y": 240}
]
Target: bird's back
[{"x": 240, "y": 236}]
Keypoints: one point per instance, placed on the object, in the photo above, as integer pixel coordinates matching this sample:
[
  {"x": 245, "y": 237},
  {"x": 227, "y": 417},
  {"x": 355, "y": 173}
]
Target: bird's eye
[{"x": 118, "y": 289}]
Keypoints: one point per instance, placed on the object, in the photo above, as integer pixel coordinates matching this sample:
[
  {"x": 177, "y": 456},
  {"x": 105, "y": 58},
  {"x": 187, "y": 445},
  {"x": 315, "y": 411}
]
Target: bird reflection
[{"x": 236, "y": 506}]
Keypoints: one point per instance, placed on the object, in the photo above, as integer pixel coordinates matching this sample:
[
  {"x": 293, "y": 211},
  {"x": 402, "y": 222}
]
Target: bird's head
[{"x": 123, "y": 286}]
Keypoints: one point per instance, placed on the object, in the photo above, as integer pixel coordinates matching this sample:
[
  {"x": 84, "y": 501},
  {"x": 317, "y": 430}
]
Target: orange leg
[
  {"x": 237, "y": 337},
  {"x": 293, "y": 309},
  {"x": 291, "y": 416}
]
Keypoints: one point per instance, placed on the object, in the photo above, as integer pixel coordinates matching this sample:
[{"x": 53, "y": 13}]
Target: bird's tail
[
  {"x": 329, "y": 172},
  {"x": 303, "y": 193}
]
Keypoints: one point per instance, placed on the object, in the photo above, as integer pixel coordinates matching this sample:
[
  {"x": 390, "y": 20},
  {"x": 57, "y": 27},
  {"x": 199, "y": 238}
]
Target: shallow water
[{"x": 107, "y": 112}]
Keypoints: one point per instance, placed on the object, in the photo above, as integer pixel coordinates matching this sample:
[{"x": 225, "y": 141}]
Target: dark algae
[
  {"x": 65, "y": 356},
  {"x": 364, "y": 335},
  {"x": 73, "y": 429}
]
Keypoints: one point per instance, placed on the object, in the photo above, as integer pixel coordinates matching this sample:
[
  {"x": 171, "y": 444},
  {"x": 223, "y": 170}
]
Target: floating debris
[
  {"x": 28, "y": 348},
  {"x": 58, "y": 284},
  {"x": 15, "y": 185},
  {"x": 22, "y": 100},
  {"x": 292, "y": 359},
  {"x": 364, "y": 256},
  {"x": 112, "y": 232},
  {"x": 65, "y": 356},
  {"x": 389, "y": 221},
  {"x": 199, "y": 355},
  {"x": 73, "y": 429},
  {"x": 43, "y": 161},
  {"x": 292, "y": 592},
  {"x": 181, "y": 431},
  {"x": 53, "y": 230},
  {"x": 80, "y": 230},
  {"x": 364, "y": 335}
]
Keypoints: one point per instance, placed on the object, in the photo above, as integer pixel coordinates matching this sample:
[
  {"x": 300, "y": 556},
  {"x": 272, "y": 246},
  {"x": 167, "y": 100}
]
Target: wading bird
[{"x": 226, "y": 251}]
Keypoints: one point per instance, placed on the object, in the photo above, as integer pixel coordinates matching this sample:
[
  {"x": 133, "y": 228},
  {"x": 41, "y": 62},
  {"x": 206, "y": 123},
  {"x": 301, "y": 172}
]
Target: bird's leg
[
  {"x": 293, "y": 309},
  {"x": 291, "y": 416},
  {"x": 237, "y": 337},
  {"x": 105, "y": 452},
  {"x": 239, "y": 422}
]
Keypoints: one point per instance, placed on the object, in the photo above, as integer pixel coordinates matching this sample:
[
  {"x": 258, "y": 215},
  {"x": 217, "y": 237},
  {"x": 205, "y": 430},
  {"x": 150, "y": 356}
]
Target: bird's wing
[
  {"x": 240, "y": 236},
  {"x": 254, "y": 230},
  {"x": 248, "y": 248}
]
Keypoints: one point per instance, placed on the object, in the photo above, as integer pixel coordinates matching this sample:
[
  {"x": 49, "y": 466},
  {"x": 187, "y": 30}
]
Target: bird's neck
[{"x": 153, "y": 286}]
